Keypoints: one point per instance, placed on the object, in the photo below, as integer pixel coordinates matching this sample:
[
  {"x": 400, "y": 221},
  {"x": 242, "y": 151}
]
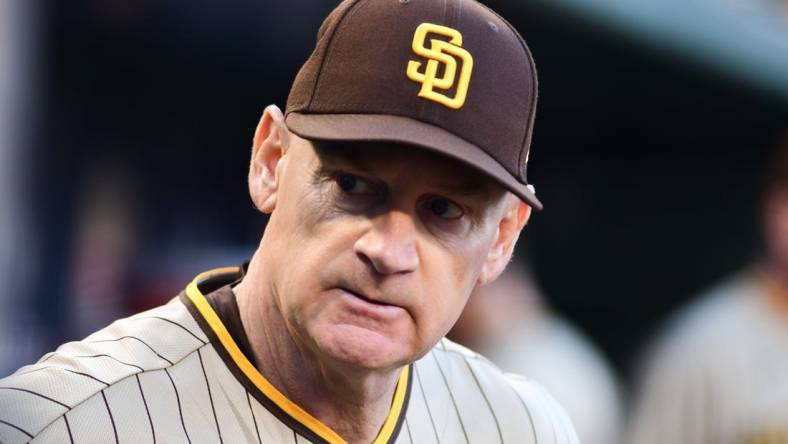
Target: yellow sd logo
[{"x": 441, "y": 51}]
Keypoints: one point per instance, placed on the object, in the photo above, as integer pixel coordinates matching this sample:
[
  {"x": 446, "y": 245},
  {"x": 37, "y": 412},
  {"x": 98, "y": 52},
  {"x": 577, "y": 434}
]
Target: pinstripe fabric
[
  {"x": 58, "y": 431},
  {"x": 459, "y": 396},
  {"x": 162, "y": 377}
]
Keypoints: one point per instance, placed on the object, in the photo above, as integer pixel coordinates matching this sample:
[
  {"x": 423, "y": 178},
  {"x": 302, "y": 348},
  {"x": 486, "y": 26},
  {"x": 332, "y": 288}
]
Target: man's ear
[
  {"x": 269, "y": 145},
  {"x": 515, "y": 216}
]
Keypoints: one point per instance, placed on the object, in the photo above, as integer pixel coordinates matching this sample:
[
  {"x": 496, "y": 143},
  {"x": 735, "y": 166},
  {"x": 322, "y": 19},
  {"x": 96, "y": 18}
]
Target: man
[
  {"x": 719, "y": 373},
  {"x": 511, "y": 324},
  {"x": 395, "y": 184}
]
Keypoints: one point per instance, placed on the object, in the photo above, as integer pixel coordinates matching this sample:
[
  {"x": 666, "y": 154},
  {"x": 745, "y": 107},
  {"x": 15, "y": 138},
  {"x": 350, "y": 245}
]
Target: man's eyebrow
[
  {"x": 466, "y": 188},
  {"x": 334, "y": 154}
]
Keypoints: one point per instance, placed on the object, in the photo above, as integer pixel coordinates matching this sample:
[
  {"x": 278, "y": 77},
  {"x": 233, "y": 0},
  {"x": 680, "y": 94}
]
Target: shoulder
[
  {"x": 719, "y": 314},
  {"x": 686, "y": 364},
  {"x": 78, "y": 373},
  {"x": 687, "y": 350},
  {"x": 553, "y": 352},
  {"x": 486, "y": 404}
]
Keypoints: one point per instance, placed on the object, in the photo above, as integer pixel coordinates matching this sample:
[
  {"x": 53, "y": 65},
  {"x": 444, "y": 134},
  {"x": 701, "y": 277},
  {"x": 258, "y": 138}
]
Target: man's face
[{"x": 376, "y": 248}]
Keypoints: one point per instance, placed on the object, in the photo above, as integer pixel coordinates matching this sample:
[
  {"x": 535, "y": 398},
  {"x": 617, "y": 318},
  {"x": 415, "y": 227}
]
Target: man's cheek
[{"x": 432, "y": 321}]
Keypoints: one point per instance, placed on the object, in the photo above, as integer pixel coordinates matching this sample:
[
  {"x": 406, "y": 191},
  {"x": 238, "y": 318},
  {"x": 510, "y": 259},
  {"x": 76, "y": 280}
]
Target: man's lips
[
  {"x": 364, "y": 297},
  {"x": 362, "y": 305}
]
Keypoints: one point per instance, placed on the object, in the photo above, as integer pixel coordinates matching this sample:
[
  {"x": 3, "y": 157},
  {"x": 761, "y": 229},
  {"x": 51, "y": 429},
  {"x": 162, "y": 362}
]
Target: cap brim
[{"x": 387, "y": 128}]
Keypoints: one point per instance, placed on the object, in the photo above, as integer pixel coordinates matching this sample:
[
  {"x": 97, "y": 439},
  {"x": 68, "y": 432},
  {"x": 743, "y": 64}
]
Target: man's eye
[
  {"x": 351, "y": 184},
  {"x": 444, "y": 208}
]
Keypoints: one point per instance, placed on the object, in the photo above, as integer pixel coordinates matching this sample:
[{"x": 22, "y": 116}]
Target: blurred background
[{"x": 125, "y": 132}]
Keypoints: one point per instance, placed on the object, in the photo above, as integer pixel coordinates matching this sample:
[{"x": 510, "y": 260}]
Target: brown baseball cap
[{"x": 450, "y": 76}]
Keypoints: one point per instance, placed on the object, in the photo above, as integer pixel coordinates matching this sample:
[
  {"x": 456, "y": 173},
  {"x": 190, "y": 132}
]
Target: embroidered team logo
[{"x": 441, "y": 52}]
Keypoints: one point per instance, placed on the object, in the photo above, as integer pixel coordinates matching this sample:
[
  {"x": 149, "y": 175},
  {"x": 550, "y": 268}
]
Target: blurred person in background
[
  {"x": 509, "y": 323},
  {"x": 719, "y": 373}
]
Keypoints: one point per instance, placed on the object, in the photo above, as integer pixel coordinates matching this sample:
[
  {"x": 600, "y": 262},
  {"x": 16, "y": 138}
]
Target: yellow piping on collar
[{"x": 271, "y": 392}]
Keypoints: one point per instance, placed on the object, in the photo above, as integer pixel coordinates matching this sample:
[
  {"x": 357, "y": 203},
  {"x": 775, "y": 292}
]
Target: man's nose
[{"x": 390, "y": 244}]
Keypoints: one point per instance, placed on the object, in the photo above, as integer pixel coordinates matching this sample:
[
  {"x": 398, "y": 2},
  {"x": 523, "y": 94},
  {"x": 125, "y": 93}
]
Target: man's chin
[{"x": 362, "y": 348}]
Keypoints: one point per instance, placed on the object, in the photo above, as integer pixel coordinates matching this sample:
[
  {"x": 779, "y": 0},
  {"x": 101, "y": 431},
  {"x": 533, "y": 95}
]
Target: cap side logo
[{"x": 441, "y": 52}]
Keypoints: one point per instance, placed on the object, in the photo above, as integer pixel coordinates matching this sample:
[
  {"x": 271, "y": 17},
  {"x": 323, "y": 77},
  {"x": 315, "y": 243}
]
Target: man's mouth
[
  {"x": 363, "y": 305},
  {"x": 364, "y": 297}
]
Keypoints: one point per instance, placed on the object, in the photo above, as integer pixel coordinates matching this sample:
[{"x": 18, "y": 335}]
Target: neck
[{"x": 353, "y": 402}]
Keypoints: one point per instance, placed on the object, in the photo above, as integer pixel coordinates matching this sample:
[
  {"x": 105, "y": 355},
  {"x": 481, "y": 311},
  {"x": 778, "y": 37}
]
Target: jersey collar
[{"x": 269, "y": 396}]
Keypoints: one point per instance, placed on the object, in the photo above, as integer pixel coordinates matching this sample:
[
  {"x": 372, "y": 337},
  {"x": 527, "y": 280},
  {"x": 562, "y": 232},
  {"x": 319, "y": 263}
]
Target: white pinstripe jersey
[{"x": 176, "y": 374}]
